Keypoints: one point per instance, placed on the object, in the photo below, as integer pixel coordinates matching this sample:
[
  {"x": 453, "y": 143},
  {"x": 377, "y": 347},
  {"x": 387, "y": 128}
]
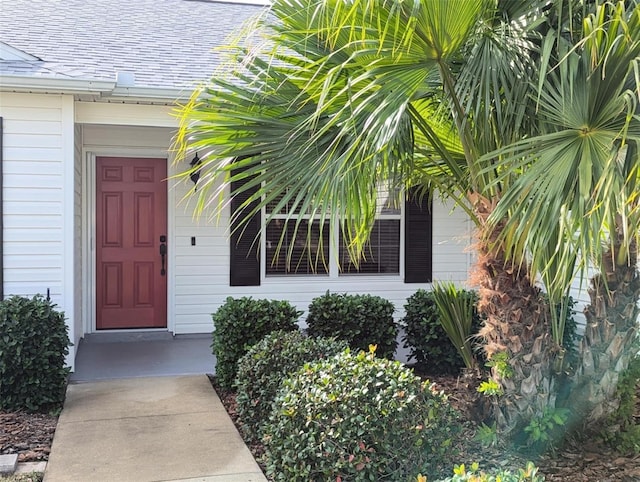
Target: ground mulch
[{"x": 27, "y": 434}]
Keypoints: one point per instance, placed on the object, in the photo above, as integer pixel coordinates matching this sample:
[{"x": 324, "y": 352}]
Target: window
[
  {"x": 292, "y": 247},
  {"x": 302, "y": 250},
  {"x": 310, "y": 252},
  {"x": 381, "y": 254}
]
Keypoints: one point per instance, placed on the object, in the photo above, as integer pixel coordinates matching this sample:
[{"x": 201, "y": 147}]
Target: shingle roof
[{"x": 165, "y": 43}]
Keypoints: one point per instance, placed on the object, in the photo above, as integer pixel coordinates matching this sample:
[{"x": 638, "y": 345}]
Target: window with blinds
[
  {"x": 381, "y": 253},
  {"x": 300, "y": 249},
  {"x": 287, "y": 250}
]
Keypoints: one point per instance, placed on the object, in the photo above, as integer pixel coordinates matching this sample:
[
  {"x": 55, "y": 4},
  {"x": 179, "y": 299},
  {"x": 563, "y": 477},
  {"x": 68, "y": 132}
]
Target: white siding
[
  {"x": 33, "y": 193},
  {"x": 38, "y": 149}
]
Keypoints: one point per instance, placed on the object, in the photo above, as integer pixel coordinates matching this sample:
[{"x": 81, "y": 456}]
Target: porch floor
[{"x": 105, "y": 356}]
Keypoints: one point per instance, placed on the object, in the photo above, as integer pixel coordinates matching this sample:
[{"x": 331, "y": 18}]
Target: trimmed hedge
[
  {"x": 33, "y": 345},
  {"x": 266, "y": 365},
  {"x": 239, "y": 324},
  {"x": 360, "y": 320},
  {"x": 358, "y": 418}
]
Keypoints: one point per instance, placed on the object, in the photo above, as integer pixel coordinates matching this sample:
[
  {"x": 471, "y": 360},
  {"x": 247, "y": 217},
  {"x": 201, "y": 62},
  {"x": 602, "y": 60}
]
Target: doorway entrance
[{"x": 131, "y": 243}]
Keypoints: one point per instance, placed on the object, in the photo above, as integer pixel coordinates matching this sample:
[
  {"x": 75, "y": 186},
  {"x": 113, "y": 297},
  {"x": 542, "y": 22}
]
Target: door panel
[{"x": 131, "y": 215}]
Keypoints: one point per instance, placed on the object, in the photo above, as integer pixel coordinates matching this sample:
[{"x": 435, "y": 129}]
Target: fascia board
[{"x": 16, "y": 83}]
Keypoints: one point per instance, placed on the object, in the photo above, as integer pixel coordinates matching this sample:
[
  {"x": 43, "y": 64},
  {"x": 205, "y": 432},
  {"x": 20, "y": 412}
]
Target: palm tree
[
  {"x": 581, "y": 180},
  {"x": 346, "y": 94}
]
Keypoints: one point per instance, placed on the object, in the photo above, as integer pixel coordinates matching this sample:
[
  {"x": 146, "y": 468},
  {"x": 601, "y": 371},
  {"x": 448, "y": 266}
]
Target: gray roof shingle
[{"x": 165, "y": 43}]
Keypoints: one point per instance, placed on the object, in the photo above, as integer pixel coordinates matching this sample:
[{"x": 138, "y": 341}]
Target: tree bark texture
[
  {"x": 517, "y": 323},
  {"x": 610, "y": 338}
]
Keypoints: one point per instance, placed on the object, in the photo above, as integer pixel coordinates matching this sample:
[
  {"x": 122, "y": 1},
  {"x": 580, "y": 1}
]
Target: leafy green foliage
[
  {"x": 426, "y": 338},
  {"x": 474, "y": 474},
  {"x": 239, "y": 324},
  {"x": 546, "y": 428},
  {"x": 569, "y": 325},
  {"x": 266, "y": 365},
  {"x": 33, "y": 346},
  {"x": 627, "y": 438},
  {"x": 456, "y": 308},
  {"x": 490, "y": 388},
  {"x": 487, "y": 435},
  {"x": 357, "y": 418},
  {"x": 360, "y": 320},
  {"x": 500, "y": 363}
]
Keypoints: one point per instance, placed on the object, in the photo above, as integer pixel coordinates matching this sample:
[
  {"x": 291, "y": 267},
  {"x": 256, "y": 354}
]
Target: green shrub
[
  {"x": 360, "y": 320},
  {"x": 425, "y": 337},
  {"x": 622, "y": 432},
  {"x": 239, "y": 324},
  {"x": 461, "y": 474},
  {"x": 33, "y": 346},
  {"x": 570, "y": 335},
  {"x": 266, "y": 365},
  {"x": 456, "y": 308},
  {"x": 357, "y": 418}
]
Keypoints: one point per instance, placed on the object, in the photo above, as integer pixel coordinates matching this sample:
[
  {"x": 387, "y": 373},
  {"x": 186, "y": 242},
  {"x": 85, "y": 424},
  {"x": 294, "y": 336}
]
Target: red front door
[{"x": 131, "y": 227}]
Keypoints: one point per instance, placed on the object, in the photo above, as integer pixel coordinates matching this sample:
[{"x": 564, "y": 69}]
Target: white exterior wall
[
  {"x": 38, "y": 206},
  {"x": 199, "y": 275}
]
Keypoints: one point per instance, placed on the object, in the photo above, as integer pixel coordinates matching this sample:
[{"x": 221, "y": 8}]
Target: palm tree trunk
[
  {"x": 610, "y": 336},
  {"x": 517, "y": 323}
]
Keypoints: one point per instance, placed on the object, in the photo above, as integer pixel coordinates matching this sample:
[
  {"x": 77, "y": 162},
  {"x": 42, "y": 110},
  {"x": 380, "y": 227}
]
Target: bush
[
  {"x": 241, "y": 323},
  {"x": 360, "y": 320},
  {"x": 357, "y": 418},
  {"x": 461, "y": 474},
  {"x": 33, "y": 346},
  {"x": 266, "y": 365},
  {"x": 622, "y": 430},
  {"x": 425, "y": 337},
  {"x": 457, "y": 309}
]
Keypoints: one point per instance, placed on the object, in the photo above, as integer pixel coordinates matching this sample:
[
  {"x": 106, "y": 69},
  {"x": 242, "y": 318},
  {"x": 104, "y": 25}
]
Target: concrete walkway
[{"x": 148, "y": 429}]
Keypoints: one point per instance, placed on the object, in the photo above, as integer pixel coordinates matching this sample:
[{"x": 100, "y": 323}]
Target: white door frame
[{"x": 89, "y": 155}]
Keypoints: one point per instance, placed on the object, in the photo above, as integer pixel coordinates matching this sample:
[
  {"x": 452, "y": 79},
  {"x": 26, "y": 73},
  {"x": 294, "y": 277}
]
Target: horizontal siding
[
  {"x": 31, "y": 247},
  {"x": 41, "y": 112},
  {"x": 32, "y": 153},
  {"x": 33, "y": 165},
  {"x": 32, "y": 126},
  {"x": 40, "y": 140},
  {"x": 18, "y": 236},
  {"x": 43, "y": 168}
]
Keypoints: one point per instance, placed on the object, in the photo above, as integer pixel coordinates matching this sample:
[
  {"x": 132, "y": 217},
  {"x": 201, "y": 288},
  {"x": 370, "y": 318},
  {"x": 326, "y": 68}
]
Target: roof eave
[
  {"x": 17, "y": 83},
  {"x": 102, "y": 88}
]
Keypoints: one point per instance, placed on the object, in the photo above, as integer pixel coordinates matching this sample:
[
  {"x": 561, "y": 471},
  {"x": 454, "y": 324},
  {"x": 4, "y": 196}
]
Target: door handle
[{"x": 163, "y": 254}]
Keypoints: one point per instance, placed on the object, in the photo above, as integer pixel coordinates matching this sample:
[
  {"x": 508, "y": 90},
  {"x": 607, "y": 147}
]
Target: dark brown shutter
[
  {"x": 418, "y": 239},
  {"x": 245, "y": 244}
]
